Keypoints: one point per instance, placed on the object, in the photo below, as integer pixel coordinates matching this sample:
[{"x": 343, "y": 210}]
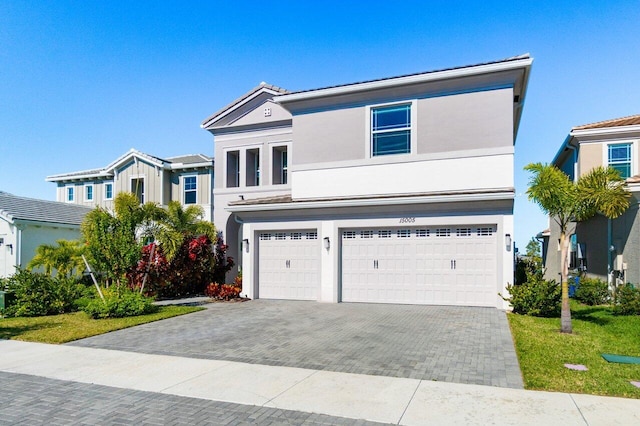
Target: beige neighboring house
[
  {"x": 397, "y": 190},
  {"x": 608, "y": 249},
  {"x": 186, "y": 178},
  {"x": 26, "y": 223}
]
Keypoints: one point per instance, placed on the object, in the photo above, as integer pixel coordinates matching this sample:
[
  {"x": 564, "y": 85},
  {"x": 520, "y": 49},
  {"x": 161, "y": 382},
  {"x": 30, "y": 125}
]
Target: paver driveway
[{"x": 456, "y": 344}]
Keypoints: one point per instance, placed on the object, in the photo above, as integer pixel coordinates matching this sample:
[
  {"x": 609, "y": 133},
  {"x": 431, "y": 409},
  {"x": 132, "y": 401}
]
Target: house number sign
[{"x": 407, "y": 220}]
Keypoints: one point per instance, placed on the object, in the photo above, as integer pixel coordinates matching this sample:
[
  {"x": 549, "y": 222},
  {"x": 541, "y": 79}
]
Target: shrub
[
  {"x": 626, "y": 300},
  {"x": 38, "y": 294},
  {"x": 592, "y": 291},
  {"x": 119, "y": 302},
  {"x": 223, "y": 291},
  {"x": 537, "y": 298}
]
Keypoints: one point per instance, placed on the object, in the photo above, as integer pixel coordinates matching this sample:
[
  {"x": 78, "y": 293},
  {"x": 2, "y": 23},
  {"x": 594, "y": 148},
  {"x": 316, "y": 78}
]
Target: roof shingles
[
  {"x": 31, "y": 209},
  {"x": 631, "y": 120}
]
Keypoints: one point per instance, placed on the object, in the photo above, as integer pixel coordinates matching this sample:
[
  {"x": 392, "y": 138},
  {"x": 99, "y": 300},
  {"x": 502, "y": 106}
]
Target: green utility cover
[{"x": 622, "y": 359}]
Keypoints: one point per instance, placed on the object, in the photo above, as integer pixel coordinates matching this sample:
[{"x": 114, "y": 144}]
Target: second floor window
[
  {"x": 280, "y": 165},
  {"x": 88, "y": 193},
  {"x": 619, "y": 157},
  {"x": 391, "y": 130},
  {"x": 137, "y": 188},
  {"x": 233, "y": 169},
  {"x": 108, "y": 191},
  {"x": 253, "y": 167},
  {"x": 190, "y": 189},
  {"x": 69, "y": 193}
]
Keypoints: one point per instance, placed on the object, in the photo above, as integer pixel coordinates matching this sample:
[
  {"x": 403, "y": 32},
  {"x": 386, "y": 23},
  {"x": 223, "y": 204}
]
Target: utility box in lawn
[{"x": 5, "y": 300}]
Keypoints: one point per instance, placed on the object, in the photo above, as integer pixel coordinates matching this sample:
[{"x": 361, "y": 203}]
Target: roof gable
[
  {"x": 260, "y": 115},
  {"x": 14, "y": 208},
  {"x": 243, "y": 105}
]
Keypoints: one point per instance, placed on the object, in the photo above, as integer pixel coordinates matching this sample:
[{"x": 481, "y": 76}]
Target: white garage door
[
  {"x": 289, "y": 265},
  {"x": 431, "y": 265}
]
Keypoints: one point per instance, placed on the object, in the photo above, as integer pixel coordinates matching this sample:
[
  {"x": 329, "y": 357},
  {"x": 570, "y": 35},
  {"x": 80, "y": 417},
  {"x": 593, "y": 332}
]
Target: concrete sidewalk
[{"x": 374, "y": 398}]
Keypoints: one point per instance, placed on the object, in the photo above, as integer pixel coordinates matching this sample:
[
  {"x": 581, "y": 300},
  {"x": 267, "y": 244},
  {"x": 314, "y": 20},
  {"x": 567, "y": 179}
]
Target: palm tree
[
  {"x": 65, "y": 258},
  {"x": 178, "y": 223},
  {"x": 601, "y": 191}
]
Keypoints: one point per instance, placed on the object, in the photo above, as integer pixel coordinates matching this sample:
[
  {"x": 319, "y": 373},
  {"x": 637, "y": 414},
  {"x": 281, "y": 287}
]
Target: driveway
[{"x": 444, "y": 343}]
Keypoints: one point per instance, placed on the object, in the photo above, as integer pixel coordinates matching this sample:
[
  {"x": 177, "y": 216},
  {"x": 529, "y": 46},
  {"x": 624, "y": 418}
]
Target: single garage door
[
  {"x": 430, "y": 265},
  {"x": 289, "y": 265}
]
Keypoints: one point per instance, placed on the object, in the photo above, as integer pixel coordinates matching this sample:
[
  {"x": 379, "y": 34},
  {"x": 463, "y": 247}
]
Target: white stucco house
[
  {"x": 397, "y": 190},
  {"x": 26, "y": 223}
]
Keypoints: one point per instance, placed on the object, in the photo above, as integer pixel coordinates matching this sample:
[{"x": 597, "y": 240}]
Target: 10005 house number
[{"x": 407, "y": 220}]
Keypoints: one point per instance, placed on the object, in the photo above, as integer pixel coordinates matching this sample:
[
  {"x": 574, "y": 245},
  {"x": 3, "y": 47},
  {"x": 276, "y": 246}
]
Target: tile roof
[
  {"x": 189, "y": 159},
  {"x": 632, "y": 120},
  {"x": 22, "y": 208}
]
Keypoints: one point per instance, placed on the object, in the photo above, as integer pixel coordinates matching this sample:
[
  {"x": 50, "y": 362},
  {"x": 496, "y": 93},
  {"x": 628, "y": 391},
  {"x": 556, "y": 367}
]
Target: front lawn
[
  {"x": 68, "y": 327},
  {"x": 542, "y": 352}
]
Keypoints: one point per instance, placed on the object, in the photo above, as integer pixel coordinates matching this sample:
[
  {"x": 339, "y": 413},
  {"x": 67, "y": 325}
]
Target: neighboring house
[
  {"x": 398, "y": 190},
  {"x": 604, "y": 248},
  {"x": 26, "y": 223},
  {"x": 187, "y": 179}
]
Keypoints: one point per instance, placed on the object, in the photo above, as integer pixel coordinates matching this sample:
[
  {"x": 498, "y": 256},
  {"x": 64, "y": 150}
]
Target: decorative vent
[{"x": 267, "y": 112}]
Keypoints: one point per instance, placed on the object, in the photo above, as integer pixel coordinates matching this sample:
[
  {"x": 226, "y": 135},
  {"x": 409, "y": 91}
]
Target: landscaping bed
[{"x": 543, "y": 351}]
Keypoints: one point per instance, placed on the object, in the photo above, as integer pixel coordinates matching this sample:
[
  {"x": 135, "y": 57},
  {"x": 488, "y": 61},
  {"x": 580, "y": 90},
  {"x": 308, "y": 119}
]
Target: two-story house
[
  {"x": 187, "y": 179},
  {"x": 604, "y": 248},
  {"x": 398, "y": 190}
]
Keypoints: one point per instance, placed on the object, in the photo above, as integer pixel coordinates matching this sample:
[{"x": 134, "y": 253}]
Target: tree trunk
[{"x": 565, "y": 313}]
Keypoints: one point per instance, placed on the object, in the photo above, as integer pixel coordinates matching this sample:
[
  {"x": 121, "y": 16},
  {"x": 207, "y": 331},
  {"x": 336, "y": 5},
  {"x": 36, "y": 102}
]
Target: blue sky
[{"x": 83, "y": 82}]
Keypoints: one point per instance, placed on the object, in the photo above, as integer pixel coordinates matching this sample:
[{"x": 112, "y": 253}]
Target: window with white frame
[
  {"x": 88, "y": 192},
  {"x": 70, "y": 194},
  {"x": 253, "y": 167},
  {"x": 108, "y": 191},
  {"x": 280, "y": 165},
  {"x": 233, "y": 169},
  {"x": 190, "y": 184},
  {"x": 137, "y": 188},
  {"x": 619, "y": 158},
  {"x": 391, "y": 130}
]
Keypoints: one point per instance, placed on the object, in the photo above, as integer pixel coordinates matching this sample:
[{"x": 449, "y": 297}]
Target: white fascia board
[
  {"x": 179, "y": 166},
  {"x": 47, "y": 224},
  {"x": 604, "y": 131},
  {"x": 413, "y": 79},
  {"x": 70, "y": 177},
  {"x": 373, "y": 202},
  {"x": 135, "y": 153}
]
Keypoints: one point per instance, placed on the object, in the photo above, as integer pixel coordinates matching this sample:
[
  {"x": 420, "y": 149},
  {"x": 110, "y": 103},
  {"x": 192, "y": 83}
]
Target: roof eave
[
  {"x": 69, "y": 177},
  {"x": 604, "y": 131},
  {"x": 413, "y": 79}
]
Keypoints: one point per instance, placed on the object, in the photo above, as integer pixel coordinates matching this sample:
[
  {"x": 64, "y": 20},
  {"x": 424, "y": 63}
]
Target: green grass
[
  {"x": 542, "y": 352},
  {"x": 68, "y": 327}
]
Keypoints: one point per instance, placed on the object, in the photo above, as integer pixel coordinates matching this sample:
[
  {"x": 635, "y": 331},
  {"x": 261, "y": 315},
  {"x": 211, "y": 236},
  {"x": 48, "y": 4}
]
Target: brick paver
[
  {"x": 445, "y": 343},
  {"x": 32, "y": 400}
]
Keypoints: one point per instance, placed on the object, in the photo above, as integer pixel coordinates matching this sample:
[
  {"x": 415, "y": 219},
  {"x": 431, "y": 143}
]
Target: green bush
[
  {"x": 626, "y": 300},
  {"x": 592, "y": 291},
  {"x": 119, "y": 302},
  {"x": 39, "y": 294},
  {"x": 538, "y": 298}
]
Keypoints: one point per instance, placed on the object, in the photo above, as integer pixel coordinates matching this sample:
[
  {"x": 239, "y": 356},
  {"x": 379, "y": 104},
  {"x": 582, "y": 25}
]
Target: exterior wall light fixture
[
  {"x": 507, "y": 239},
  {"x": 326, "y": 243},
  {"x": 245, "y": 244}
]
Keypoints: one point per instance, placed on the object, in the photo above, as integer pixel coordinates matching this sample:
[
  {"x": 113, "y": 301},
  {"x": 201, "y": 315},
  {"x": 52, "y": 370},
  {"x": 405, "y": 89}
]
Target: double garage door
[{"x": 427, "y": 265}]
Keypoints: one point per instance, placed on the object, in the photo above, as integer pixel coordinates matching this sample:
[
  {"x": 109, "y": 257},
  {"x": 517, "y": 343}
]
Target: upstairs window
[
  {"x": 108, "y": 191},
  {"x": 391, "y": 130},
  {"x": 233, "y": 169},
  {"x": 190, "y": 189},
  {"x": 88, "y": 193},
  {"x": 253, "y": 167},
  {"x": 280, "y": 165},
  {"x": 619, "y": 157},
  {"x": 137, "y": 188},
  {"x": 70, "y": 196}
]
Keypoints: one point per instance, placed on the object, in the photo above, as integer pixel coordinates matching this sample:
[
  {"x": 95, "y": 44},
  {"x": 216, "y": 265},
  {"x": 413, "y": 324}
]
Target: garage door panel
[
  {"x": 434, "y": 265},
  {"x": 288, "y": 265}
]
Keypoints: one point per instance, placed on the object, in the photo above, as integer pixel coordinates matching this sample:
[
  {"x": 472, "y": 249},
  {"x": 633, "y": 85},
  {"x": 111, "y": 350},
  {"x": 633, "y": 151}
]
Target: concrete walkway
[{"x": 354, "y": 396}]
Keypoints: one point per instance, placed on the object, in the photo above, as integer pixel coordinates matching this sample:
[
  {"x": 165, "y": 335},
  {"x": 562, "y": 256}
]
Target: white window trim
[
  {"x": 413, "y": 150},
  {"x": 109, "y": 182},
  {"x": 183, "y": 188},
  {"x": 66, "y": 193},
  {"x": 93, "y": 192},
  {"x": 273, "y": 147},
  {"x": 261, "y": 175},
  {"x": 634, "y": 150},
  {"x": 225, "y": 174}
]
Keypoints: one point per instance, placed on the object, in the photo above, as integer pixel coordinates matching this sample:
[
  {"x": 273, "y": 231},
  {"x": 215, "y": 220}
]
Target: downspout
[{"x": 19, "y": 246}]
